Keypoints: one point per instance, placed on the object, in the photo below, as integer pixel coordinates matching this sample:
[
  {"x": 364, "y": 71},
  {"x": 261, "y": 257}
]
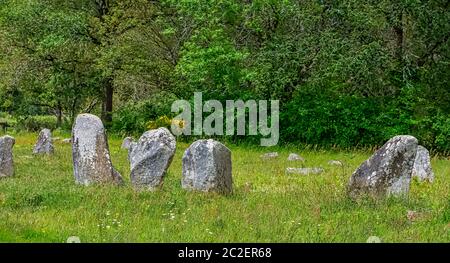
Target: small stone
[
  {"x": 6, "y": 156},
  {"x": 207, "y": 167},
  {"x": 295, "y": 157},
  {"x": 271, "y": 155},
  {"x": 67, "y": 141},
  {"x": 44, "y": 144},
  {"x": 422, "y": 165},
  {"x": 73, "y": 239},
  {"x": 411, "y": 215},
  {"x": 373, "y": 239},
  {"x": 126, "y": 143},
  {"x": 336, "y": 163},
  {"x": 304, "y": 171}
]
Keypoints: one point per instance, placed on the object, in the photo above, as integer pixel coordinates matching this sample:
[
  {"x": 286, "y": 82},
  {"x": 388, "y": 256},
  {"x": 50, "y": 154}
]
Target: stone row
[{"x": 206, "y": 164}]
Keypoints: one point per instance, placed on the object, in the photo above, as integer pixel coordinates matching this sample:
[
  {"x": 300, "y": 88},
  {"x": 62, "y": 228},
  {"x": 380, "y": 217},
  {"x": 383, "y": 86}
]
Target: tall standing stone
[
  {"x": 388, "y": 171},
  {"x": 422, "y": 165},
  {"x": 90, "y": 151},
  {"x": 44, "y": 144},
  {"x": 150, "y": 157},
  {"x": 207, "y": 167},
  {"x": 6, "y": 156}
]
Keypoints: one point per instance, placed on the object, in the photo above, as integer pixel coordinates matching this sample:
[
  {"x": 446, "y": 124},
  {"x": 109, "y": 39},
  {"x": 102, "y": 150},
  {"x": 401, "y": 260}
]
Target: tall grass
[{"x": 41, "y": 203}]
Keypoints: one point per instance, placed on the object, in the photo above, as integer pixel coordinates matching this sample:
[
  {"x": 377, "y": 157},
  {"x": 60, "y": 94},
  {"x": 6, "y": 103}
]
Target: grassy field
[{"x": 43, "y": 204}]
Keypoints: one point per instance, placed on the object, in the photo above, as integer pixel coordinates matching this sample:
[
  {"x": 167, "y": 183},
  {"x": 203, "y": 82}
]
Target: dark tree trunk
[
  {"x": 399, "y": 37},
  {"x": 399, "y": 42},
  {"x": 59, "y": 115},
  {"x": 108, "y": 101}
]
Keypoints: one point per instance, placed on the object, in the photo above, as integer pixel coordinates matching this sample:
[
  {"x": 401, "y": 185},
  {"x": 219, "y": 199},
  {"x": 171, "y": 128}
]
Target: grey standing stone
[
  {"x": 295, "y": 157},
  {"x": 207, "y": 167},
  {"x": 130, "y": 149},
  {"x": 271, "y": 155},
  {"x": 126, "y": 143},
  {"x": 90, "y": 151},
  {"x": 388, "y": 171},
  {"x": 304, "y": 171},
  {"x": 422, "y": 165},
  {"x": 44, "y": 144},
  {"x": 6, "y": 156},
  {"x": 150, "y": 157}
]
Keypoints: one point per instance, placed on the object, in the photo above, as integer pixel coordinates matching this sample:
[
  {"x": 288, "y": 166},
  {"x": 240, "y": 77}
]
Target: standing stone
[
  {"x": 90, "y": 151},
  {"x": 44, "y": 144},
  {"x": 6, "y": 156},
  {"x": 130, "y": 149},
  {"x": 127, "y": 143},
  {"x": 150, "y": 157},
  {"x": 422, "y": 165},
  {"x": 295, "y": 157},
  {"x": 207, "y": 167},
  {"x": 388, "y": 171}
]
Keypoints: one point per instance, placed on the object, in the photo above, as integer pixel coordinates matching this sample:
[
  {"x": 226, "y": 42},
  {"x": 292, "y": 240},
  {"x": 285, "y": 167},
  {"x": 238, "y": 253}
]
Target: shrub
[
  {"x": 36, "y": 123},
  {"x": 134, "y": 118},
  {"x": 8, "y": 119}
]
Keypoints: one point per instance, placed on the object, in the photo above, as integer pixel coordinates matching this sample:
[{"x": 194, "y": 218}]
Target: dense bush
[
  {"x": 346, "y": 73},
  {"x": 36, "y": 123},
  {"x": 326, "y": 119},
  {"x": 134, "y": 118}
]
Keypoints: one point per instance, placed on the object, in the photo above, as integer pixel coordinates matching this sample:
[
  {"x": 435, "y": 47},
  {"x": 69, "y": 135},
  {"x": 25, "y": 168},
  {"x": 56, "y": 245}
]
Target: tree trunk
[
  {"x": 108, "y": 101},
  {"x": 59, "y": 115},
  {"x": 399, "y": 37}
]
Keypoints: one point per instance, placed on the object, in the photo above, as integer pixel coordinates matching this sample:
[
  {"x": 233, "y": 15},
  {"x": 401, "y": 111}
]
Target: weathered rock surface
[
  {"x": 44, "y": 144},
  {"x": 6, "y": 156},
  {"x": 295, "y": 157},
  {"x": 90, "y": 151},
  {"x": 422, "y": 165},
  {"x": 207, "y": 167},
  {"x": 388, "y": 171},
  {"x": 304, "y": 171},
  {"x": 271, "y": 155},
  {"x": 150, "y": 157},
  {"x": 126, "y": 143}
]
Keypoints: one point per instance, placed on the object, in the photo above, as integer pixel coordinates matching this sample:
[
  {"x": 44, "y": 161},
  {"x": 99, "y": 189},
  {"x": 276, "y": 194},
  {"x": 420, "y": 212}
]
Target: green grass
[{"x": 43, "y": 204}]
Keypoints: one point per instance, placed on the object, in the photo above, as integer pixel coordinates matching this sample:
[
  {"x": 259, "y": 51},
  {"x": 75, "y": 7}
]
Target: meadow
[{"x": 41, "y": 203}]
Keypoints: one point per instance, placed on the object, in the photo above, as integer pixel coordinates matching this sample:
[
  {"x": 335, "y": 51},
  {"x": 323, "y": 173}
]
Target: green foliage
[
  {"x": 345, "y": 72},
  {"x": 37, "y": 123},
  {"x": 133, "y": 118},
  {"x": 162, "y": 121}
]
